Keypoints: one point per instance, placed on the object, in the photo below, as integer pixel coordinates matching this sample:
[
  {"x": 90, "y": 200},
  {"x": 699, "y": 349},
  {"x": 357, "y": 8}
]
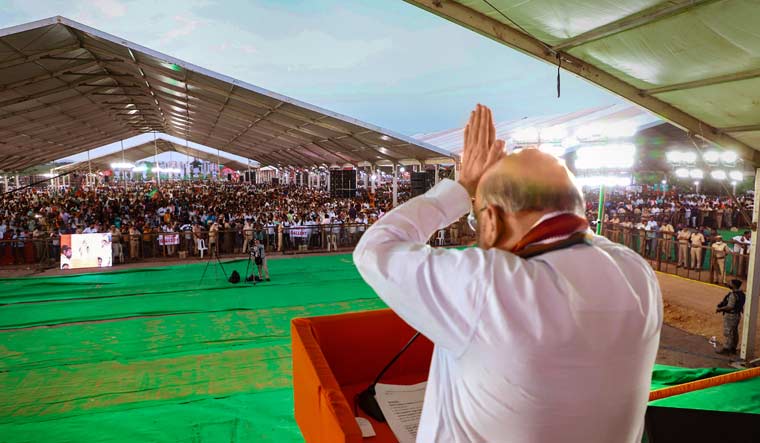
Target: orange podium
[{"x": 336, "y": 357}]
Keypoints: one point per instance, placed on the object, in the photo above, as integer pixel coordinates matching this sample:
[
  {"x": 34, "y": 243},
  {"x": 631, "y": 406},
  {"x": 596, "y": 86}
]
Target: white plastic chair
[
  {"x": 441, "y": 239},
  {"x": 202, "y": 246}
]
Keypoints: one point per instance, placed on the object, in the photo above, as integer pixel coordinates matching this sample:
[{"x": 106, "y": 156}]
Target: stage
[{"x": 153, "y": 354}]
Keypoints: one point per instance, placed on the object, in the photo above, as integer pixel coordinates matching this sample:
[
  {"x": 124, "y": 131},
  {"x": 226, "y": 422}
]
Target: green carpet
[{"x": 154, "y": 354}]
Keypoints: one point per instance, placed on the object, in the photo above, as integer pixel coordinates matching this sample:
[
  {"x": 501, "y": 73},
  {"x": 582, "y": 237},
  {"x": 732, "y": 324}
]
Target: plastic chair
[
  {"x": 441, "y": 239},
  {"x": 202, "y": 247}
]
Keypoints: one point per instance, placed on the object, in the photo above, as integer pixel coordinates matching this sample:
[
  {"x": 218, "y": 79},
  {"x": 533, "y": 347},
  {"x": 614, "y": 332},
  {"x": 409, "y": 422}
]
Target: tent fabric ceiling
[
  {"x": 695, "y": 63},
  {"x": 66, "y": 88},
  {"x": 146, "y": 151}
]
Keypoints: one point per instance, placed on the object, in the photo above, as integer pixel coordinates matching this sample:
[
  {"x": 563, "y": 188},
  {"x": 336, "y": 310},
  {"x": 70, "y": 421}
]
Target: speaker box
[
  {"x": 249, "y": 176},
  {"x": 421, "y": 182},
  {"x": 343, "y": 184},
  {"x": 275, "y": 181}
]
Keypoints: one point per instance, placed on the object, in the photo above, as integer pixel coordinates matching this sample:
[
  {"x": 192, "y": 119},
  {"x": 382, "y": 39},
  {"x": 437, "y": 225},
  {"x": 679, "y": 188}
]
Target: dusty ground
[{"x": 690, "y": 318}]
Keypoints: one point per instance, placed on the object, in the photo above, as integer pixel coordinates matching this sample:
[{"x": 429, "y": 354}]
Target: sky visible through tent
[{"x": 384, "y": 62}]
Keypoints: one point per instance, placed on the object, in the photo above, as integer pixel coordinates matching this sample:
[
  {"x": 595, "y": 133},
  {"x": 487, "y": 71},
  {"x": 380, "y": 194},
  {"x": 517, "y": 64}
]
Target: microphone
[{"x": 366, "y": 399}]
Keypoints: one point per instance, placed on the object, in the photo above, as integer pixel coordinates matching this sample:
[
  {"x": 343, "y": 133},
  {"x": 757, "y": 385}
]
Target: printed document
[{"x": 402, "y": 407}]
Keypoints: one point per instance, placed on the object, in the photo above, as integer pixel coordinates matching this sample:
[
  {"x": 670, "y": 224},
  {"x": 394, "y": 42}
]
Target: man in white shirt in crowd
[
  {"x": 741, "y": 249},
  {"x": 538, "y": 336}
]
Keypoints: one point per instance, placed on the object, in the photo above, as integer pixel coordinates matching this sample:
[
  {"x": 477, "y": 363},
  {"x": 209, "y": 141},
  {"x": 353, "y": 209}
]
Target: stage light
[
  {"x": 718, "y": 175},
  {"x": 729, "y": 157},
  {"x": 711, "y": 156},
  {"x": 374, "y": 177},
  {"x": 613, "y": 156},
  {"x": 607, "y": 180},
  {"x": 526, "y": 135},
  {"x": 122, "y": 165},
  {"x": 689, "y": 157},
  {"x": 552, "y": 149},
  {"x": 736, "y": 175},
  {"x": 682, "y": 173},
  {"x": 673, "y": 156},
  {"x": 696, "y": 173},
  {"x": 402, "y": 169}
]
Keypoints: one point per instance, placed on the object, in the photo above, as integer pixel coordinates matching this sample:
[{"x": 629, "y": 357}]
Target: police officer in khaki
[
  {"x": 719, "y": 251},
  {"x": 696, "y": 240},
  {"x": 683, "y": 247},
  {"x": 667, "y": 232}
]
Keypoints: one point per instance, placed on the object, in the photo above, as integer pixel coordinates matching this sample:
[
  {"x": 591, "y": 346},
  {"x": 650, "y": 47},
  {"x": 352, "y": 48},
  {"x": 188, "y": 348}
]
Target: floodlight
[
  {"x": 48, "y": 175},
  {"x": 729, "y": 157},
  {"x": 122, "y": 165},
  {"x": 141, "y": 168},
  {"x": 682, "y": 173},
  {"x": 673, "y": 156},
  {"x": 613, "y": 156},
  {"x": 711, "y": 156},
  {"x": 718, "y": 175},
  {"x": 402, "y": 169},
  {"x": 689, "y": 157},
  {"x": 552, "y": 149},
  {"x": 696, "y": 173},
  {"x": 664, "y": 182},
  {"x": 384, "y": 137},
  {"x": 736, "y": 175},
  {"x": 374, "y": 177},
  {"x": 526, "y": 135}
]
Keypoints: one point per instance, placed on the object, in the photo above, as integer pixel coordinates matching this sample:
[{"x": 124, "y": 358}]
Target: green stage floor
[{"x": 154, "y": 354}]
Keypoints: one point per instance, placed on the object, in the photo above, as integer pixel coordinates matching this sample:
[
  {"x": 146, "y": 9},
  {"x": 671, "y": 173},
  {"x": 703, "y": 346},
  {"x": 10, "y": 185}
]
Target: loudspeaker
[
  {"x": 249, "y": 176},
  {"x": 422, "y": 182},
  {"x": 343, "y": 183},
  {"x": 275, "y": 181}
]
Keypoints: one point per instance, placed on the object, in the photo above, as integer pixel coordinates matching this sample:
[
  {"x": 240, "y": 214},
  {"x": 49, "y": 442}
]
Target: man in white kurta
[{"x": 555, "y": 348}]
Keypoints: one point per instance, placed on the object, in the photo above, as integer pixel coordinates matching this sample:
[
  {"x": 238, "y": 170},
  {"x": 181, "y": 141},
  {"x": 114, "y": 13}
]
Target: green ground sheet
[{"x": 155, "y": 354}]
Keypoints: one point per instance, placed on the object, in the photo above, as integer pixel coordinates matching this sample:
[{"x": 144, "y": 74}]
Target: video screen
[{"x": 86, "y": 251}]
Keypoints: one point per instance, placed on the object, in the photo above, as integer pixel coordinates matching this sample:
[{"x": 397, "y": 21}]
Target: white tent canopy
[
  {"x": 147, "y": 151},
  {"x": 66, "y": 88},
  {"x": 695, "y": 63}
]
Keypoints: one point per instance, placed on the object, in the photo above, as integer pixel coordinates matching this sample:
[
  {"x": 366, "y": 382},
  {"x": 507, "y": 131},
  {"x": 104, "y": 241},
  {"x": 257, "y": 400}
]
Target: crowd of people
[
  {"x": 206, "y": 216},
  {"x": 681, "y": 228},
  {"x": 225, "y": 216}
]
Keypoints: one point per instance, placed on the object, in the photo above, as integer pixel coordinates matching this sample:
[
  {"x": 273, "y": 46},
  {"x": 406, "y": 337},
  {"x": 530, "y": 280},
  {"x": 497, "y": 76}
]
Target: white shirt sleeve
[{"x": 437, "y": 291}]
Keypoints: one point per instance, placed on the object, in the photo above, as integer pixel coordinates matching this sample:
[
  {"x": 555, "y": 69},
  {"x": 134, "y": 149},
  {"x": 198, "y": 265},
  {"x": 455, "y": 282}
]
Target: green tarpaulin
[{"x": 155, "y": 354}]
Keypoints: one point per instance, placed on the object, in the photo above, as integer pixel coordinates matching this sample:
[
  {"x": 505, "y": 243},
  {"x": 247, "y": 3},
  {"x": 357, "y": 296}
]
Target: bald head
[{"x": 531, "y": 181}]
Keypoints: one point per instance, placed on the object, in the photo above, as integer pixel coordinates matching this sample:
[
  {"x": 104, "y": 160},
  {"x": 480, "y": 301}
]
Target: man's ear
[{"x": 491, "y": 226}]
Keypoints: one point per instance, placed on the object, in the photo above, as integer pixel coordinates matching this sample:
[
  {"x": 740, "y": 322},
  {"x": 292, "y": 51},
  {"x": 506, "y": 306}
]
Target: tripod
[
  {"x": 208, "y": 262},
  {"x": 250, "y": 264}
]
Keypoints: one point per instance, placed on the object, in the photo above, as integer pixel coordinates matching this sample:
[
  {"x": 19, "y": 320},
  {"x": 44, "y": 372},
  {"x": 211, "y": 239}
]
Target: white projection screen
[{"x": 86, "y": 251}]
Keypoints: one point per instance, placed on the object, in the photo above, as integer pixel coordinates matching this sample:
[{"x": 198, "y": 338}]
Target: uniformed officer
[
  {"x": 719, "y": 252},
  {"x": 732, "y": 307}
]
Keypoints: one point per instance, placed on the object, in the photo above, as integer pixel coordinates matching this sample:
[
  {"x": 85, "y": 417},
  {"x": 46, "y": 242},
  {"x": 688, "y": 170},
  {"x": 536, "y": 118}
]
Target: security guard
[
  {"x": 732, "y": 307},
  {"x": 719, "y": 251}
]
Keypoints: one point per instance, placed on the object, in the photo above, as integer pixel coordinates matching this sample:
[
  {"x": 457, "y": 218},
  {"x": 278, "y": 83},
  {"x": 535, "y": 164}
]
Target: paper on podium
[{"x": 402, "y": 407}]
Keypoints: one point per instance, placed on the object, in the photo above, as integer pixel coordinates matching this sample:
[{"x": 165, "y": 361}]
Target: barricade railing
[
  {"x": 129, "y": 248},
  {"x": 668, "y": 254}
]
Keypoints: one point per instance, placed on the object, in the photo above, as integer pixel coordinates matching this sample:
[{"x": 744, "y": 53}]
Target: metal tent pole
[
  {"x": 749, "y": 326},
  {"x": 600, "y": 211},
  {"x": 395, "y": 185},
  {"x": 157, "y": 168}
]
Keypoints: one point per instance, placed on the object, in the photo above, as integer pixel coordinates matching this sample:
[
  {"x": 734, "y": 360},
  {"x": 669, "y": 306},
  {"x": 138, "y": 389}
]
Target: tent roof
[
  {"x": 624, "y": 115},
  {"x": 66, "y": 88},
  {"x": 146, "y": 151},
  {"x": 695, "y": 63}
]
